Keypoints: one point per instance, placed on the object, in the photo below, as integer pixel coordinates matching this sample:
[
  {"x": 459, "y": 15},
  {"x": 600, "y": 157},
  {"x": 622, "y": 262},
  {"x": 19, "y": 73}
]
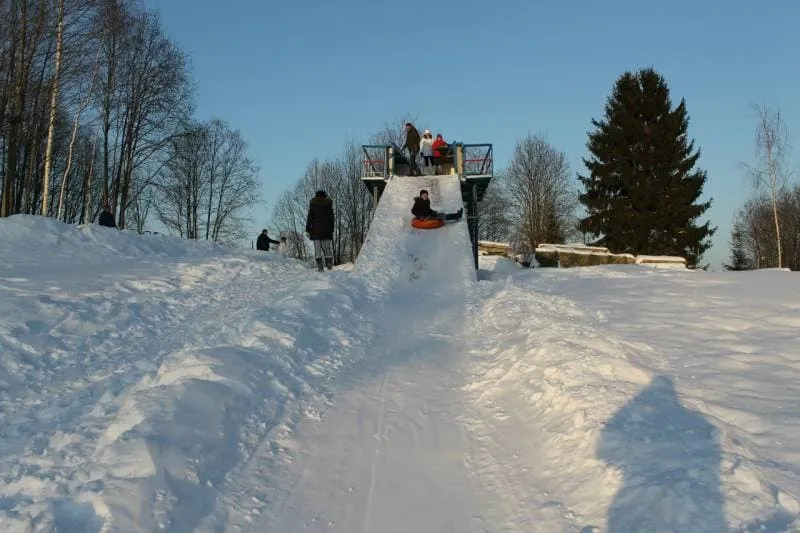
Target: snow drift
[
  {"x": 643, "y": 400},
  {"x": 138, "y": 371}
]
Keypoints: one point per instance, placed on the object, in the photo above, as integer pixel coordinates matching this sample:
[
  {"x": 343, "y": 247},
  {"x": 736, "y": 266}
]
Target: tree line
[{"x": 96, "y": 108}]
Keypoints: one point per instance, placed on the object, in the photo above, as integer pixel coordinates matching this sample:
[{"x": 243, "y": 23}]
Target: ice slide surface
[{"x": 389, "y": 456}]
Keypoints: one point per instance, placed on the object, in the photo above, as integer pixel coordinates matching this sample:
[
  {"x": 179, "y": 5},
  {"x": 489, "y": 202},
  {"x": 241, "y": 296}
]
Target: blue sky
[{"x": 299, "y": 78}]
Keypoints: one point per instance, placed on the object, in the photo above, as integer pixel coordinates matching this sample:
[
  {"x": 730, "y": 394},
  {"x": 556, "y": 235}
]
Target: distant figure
[
  {"x": 263, "y": 241},
  {"x": 439, "y": 148},
  {"x": 412, "y": 143},
  {"x": 422, "y": 209},
  {"x": 283, "y": 247},
  {"x": 426, "y": 148},
  {"x": 107, "y": 217},
  {"x": 319, "y": 226}
]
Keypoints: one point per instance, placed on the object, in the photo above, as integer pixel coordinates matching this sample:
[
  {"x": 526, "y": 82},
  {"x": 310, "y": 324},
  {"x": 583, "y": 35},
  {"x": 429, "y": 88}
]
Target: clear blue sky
[{"x": 298, "y": 78}]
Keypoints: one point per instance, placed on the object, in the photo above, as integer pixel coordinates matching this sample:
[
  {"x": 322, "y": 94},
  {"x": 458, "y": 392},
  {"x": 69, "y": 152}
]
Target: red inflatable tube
[{"x": 428, "y": 223}]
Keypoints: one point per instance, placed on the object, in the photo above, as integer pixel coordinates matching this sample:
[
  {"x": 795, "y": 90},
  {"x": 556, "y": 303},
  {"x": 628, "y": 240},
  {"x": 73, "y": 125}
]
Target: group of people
[
  {"x": 319, "y": 228},
  {"x": 264, "y": 240},
  {"x": 433, "y": 151},
  {"x": 320, "y": 225}
]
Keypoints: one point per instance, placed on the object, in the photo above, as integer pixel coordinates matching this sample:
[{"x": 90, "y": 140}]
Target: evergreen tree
[
  {"x": 641, "y": 189},
  {"x": 739, "y": 258}
]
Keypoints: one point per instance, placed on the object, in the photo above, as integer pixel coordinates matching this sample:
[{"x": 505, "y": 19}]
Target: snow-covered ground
[
  {"x": 139, "y": 373},
  {"x": 642, "y": 399},
  {"x": 153, "y": 384}
]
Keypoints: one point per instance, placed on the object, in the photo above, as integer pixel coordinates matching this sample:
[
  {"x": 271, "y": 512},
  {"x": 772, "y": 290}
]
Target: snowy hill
[{"x": 153, "y": 384}]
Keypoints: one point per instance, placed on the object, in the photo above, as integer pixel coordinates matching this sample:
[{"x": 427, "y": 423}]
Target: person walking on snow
[
  {"x": 319, "y": 227},
  {"x": 412, "y": 143},
  {"x": 422, "y": 209},
  {"x": 426, "y": 148},
  {"x": 263, "y": 241}
]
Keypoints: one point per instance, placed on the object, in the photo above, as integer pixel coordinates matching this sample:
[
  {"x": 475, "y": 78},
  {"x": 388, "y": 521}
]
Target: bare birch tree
[
  {"x": 289, "y": 215},
  {"x": 756, "y": 227},
  {"x": 48, "y": 157},
  {"x": 354, "y": 202},
  {"x": 207, "y": 184},
  {"x": 495, "y": 212},
  {"x": 770, "y": 172},
  {"x": 542, "y": 197},
  {"x": 75, "y": 126}
]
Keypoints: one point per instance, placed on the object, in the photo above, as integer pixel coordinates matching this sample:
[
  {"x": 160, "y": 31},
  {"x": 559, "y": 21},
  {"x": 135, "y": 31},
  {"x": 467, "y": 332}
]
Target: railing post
[
  {"x": 389, "y": 167},
  {"x": 473, "y": 221},
  {"x": 460, "y": 159}
]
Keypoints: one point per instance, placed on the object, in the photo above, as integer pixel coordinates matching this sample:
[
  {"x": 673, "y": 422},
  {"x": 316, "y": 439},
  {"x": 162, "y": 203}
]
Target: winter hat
[
  {"x": 427, "y": 132},
  {"x": 321, "y": 194}
]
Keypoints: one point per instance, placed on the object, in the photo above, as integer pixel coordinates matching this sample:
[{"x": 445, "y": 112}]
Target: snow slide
[
  {"x": 390, "y": 455},
  {"x": 395, "y": 252}
]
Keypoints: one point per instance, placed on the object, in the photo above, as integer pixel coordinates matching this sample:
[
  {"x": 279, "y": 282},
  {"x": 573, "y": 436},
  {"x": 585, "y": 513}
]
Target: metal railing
[
  {"x": 374, "y": 162},
  {"x": 477, "y": 160},
  {"x": 471, "y": 160}
]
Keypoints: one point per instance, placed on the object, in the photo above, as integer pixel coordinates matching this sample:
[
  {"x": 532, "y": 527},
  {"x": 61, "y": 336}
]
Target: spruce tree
[
  {"x": 739, "y": 259},
  {"x": 641, "y": 189}
]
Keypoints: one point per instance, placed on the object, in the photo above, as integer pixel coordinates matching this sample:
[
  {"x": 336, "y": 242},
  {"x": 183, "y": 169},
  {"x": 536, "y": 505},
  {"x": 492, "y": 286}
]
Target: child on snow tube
[{"x": 424, "y": 216}]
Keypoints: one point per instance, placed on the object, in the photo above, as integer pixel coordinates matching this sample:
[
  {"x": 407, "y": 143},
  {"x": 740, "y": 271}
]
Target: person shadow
[{"x": 670, "y": 461}]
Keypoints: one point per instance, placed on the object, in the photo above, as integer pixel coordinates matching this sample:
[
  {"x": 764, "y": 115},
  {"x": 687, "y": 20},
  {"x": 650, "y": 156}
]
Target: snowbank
[
  {"x": 661, "y": 261},
  {"x": 40, "y": 238},
  {"x": 138, "y": 372},
  {"x": 642, "y": 399}
]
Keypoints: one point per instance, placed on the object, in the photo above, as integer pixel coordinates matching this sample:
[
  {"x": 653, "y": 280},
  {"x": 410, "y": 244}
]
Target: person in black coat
[
  {"x": 319, "y": 226},
  {"x": 107, "y": 218},
  {"x": 263, "y": 241},
  {"x": 412, "y": 144},
  {"x": 422, "y": 209}
]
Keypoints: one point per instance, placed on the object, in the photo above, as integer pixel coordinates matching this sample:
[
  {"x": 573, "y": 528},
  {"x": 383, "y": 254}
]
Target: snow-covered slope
[
  {"x": 641, "y": 400},
  {"x": 153, "y": 384},
  {"x": 138, "y": 373}
]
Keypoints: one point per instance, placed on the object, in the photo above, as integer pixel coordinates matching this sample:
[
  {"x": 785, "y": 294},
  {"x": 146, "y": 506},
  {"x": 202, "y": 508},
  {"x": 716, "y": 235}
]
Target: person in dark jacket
[
  {"x": 412, "y": 143},
  {"x": 422, "y": 209},
  {"x": 263, "y": 241},
  {"x": 319, "y": 226},
  {"x": 107, "y": 217}
]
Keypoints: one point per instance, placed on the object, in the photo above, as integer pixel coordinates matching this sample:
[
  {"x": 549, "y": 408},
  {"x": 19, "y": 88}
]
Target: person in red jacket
[{"x": 439, "y": 147}]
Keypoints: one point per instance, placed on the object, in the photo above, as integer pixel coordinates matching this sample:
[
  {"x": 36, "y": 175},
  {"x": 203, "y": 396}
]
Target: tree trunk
[
  {"x": 774, "y": 182},
  {"x": 87, "y": 190},
  {"x": 48, "y": 157}
]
